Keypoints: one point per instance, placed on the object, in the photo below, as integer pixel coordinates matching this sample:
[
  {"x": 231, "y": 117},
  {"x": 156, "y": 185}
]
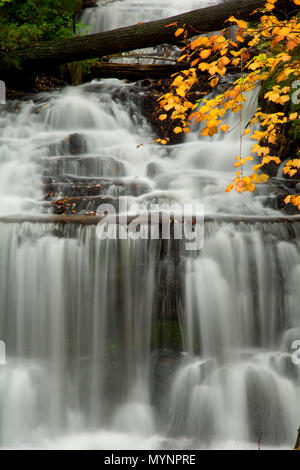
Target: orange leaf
[
  {"x": 242, "y": 24},
  {"x": 214, "y": 82},
  {"x": 287, "y": 199},
  {"x": 179, "y": 31},
  {"x": 269, "y": 7},
  {"x": 177, "y": 130},
  {"x": 194, "y": 62},
  {"x": 225, "y": 61},
  {"x": 224, "y": 127},
  {"x": 229, "y": 188},
  {"x": 171, "y": 24},
  {"x": 203, "y": 66},
  {"x": 205, "y": 53}
]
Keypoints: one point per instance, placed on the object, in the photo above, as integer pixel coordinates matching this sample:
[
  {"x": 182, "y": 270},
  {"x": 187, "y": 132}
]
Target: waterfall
[
  {"x": 138, "y": 343},
  {"x": 110, "y": 15}
]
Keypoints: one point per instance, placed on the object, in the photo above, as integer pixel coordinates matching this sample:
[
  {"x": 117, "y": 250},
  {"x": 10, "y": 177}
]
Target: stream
[{"x": 139, "y": 343}]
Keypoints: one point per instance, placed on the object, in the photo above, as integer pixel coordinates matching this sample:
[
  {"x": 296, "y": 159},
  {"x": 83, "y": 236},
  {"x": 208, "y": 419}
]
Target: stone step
[
  {"x": 73, "y": 186},
  {"x": 86, "y": 205},
  {"x": 89, "y": 166}
]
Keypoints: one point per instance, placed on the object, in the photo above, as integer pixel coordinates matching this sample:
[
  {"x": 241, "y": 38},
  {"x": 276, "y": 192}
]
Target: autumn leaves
[{"x": 276, "y": 64}]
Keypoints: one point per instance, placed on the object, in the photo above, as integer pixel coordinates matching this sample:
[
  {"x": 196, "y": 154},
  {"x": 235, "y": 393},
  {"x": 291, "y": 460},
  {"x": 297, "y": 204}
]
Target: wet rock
[
  {"x": 73, "y": 144},
  {"x": 77, "y": 186},
  {"x": 154, "y": 169},
  {"x": 91, "y": 166},
  {"x": 101, "y": 166},
  {"x": 82, "y": 205},
  {"x": 164, "y": 364},
  {"x": 72, "y": 186}
]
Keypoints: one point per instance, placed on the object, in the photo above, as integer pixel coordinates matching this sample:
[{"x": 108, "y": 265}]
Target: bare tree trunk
[{"x": 153, "y": 33}]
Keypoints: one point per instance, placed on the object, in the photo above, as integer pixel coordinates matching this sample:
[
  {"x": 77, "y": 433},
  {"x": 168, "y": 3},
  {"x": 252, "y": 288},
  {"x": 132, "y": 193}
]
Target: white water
[
  {"x": 77, "y": 314},
  {"x": 110, "y": 15}
]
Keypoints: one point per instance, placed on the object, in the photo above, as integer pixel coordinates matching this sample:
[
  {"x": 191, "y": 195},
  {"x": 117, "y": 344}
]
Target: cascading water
[
  {"x": 137, "y": 343},
  {"x": 113, "y": 14}
]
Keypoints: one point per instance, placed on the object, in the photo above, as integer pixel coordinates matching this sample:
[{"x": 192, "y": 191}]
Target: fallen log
[
  {"x": 89, "y": 4},
  {"x": 49, "y": 54},
  {"x": 133, "y": 72}
]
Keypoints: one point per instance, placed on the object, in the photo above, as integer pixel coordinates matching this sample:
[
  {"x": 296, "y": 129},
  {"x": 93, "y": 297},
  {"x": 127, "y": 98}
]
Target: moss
[
  {"x": 166, "y": 334},
  {"x": 77, "y": 73}
]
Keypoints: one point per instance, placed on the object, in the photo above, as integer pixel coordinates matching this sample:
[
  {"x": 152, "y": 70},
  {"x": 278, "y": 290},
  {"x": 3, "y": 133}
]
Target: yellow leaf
[
  {"x": 203, "y": 66},
  {"x": 284, "y": 99},
  {"x": 225, "y": 61},
  {"x": 263, "y": 178},
  {"x": 240, "y": 186},
  {"x": 179, "y": 31},
  {"x": 236, "y": 61},
  {"x": 181, "y": 91},
  {"x": 213, "y": 70},
  {"x": 293, "y": 116},
  {"x": 232, "y": 19},
  {"x": 205, "y": 53},
  {"x": 177, "y": 130},
  {"x": 163, "y": 142},
  {"x": 269, "y": 7},
  {"x": 242, "y": 24},
  {"x": 214, "y": 82},
  {"x": 162, "y": 117},
  {"x": 224, "y": 127},
  {"x": 287, "y": 199},
  {"x": 229, "y": 188}
]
